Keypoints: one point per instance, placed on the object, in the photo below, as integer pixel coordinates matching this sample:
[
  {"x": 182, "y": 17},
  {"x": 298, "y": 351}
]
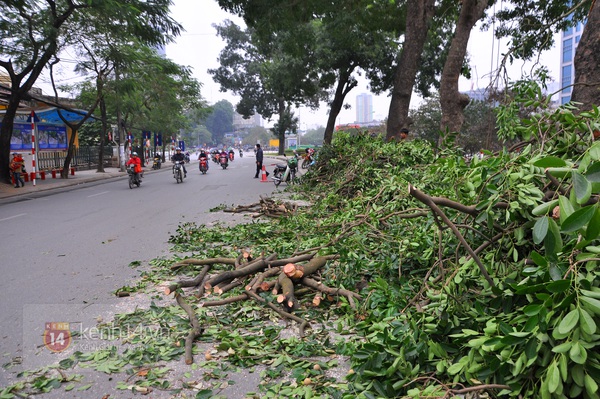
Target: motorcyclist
[
  {"x": 241, "y": 153},
  {"x": 157, "y": 159},
  {"x": 135, "y": 160},
  {"x": 231, "y": 154},
  {"x": 203, "y": 155},
  {"x": 178, "y": 156},
  {"x": 222, "y": 155}
]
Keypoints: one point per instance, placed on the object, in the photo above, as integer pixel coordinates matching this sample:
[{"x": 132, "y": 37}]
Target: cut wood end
[
  {"x": 264, "y": 286},
  {"x": 167, "y": 291},
  {"x": 280, "y": 298},
  {"x": 189, "y": 361},
  {"x": 289, "y": 269},
  {"x": 297, "y": 274},
  {"x": 218, "y": 291}
]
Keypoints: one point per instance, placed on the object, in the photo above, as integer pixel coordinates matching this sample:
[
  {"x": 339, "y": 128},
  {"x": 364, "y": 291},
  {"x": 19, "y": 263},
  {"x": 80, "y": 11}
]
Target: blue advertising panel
[
  {"x": 52, "y": 137},
  {"x": 182, "y": 145},
  {"x": 21, "y": 137},
  {"x": 158, "y": 139}
]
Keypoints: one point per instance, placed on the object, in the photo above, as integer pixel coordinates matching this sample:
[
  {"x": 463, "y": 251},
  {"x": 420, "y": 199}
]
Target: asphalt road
[{"x": 64, "y": 254}]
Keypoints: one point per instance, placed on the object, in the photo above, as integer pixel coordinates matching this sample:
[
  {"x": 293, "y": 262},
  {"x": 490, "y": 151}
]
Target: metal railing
[{"x": 85, "y": 158}]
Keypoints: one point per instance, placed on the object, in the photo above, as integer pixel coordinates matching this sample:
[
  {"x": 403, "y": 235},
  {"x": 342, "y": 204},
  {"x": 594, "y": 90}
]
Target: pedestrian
[
  {"x": 17, "y": 165},
  {"x": 259, "y": 160}
]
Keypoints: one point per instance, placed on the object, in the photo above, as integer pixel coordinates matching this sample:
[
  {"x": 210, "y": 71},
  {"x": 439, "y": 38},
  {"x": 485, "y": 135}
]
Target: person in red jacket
[
  {"x": 137, "y": 162},
  {"x": 16, "y": 167}
]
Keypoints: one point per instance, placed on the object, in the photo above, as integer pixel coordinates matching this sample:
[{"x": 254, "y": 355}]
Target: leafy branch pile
[
  {"x": 481, "y": 274},
  {"x": 476, "y": 277}
]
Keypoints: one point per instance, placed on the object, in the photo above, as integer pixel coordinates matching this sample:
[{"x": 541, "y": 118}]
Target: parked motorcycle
[
  {"x": 203, "y": 165},
  {"x": 286, "y": 172},
  {"x": 134, "y": 178},
  {"x": 157, "y": 162},
  {"x": 223, "y": 161},
  {"x": 178, "y": 171}
]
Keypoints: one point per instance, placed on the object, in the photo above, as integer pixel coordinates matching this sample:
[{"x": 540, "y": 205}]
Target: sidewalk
[{"x": 80, "y": 177}]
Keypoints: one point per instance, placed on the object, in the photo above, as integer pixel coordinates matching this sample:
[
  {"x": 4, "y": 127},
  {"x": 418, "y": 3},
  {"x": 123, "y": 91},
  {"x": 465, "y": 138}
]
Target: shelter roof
[{"x": 50, "y": 115}]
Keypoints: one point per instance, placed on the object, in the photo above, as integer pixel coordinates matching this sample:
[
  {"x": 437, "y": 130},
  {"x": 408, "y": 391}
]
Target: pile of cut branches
[
  {"x": 285, "y": 278},
  {"x": 265, "y": 207}
]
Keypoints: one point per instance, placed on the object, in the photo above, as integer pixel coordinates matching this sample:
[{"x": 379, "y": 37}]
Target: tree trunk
[
  {"x": 418, "y": 17},
  {"x": 281, "y": 126},
  {"x": 587, "y": 58},
  {"x": 5, "y": 136},
  {"x": 452, "y": 101},
  {"x": 102, "y": 136},
  {"x": 344, "y": 85}
]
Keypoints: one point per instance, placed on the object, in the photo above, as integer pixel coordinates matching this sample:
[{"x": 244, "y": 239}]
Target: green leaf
[
  {"x": 563, "y": 348},
  {"x": 533, "y": 309},
  {"x": 558, "y": 286},
  {"x": 539, "y": 259},
  {"x": 591, "y": 304},
  {"x": 593, "y": 173},
  {"x": 583, "y": 188},
  {"x": 577, "y": 374},
  {"x": 540, "y": 229},
  {"x": 553, "y": 376},
  {"x": 590, "y": 386},
  {"x": 550, "y": 162},
  {"x": 578, "y": 354},
  {"x": 569, "y": 322},
  {"x": 544, "y": 208},
  {"x": 594, "y": 151},
  {"x": 566, "y": 208},
  {"x": 578, "y": 219},
  {"x": 593, "y": 229},
  {"x": 586, "y": 322},
  {"x": 553, "y": 242}
]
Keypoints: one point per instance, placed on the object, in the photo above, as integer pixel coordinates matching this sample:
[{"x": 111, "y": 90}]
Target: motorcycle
[
  {"x": 187, "y": 157},
  {"x": 157, "y": 163},
  {"x": 231, "y": 155},
  {"x": 178, "y": 171},
  {"x": 134, "y": 178},
  {"x": 241, "y": 153},
  {"x": 203, "y": 165},
  {"x": 224, "y": 161},
  {"x": 286, "y": 172}
]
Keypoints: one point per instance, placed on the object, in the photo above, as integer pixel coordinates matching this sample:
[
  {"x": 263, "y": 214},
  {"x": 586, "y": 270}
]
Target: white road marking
[
  {"x": 94, "y": 195},
  {"x": 13, "y": 217}
]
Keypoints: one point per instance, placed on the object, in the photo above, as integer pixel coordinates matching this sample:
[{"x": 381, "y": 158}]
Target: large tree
[
  {"x": 337, "y": 41},
  {"x": 266, "y": 75},
  {"x": 30, "y": 36},
  {"x": 220, "y": 120},
  {"x": 453, "y": 102},
  {"x": 587, "y": 59},
  {"x": 32, "y": 32}
]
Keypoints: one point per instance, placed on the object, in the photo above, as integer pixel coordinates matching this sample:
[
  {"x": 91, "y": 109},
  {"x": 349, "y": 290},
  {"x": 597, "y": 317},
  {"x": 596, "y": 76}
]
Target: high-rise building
[
  {"x": 570, "y": 39},
  {"x": 364, "y": 108}
]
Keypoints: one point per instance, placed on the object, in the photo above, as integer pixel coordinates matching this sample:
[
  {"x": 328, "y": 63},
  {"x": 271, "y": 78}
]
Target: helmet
[
  {"x": 177, "y": 149},
  {"x": 134, "y": 153}
]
